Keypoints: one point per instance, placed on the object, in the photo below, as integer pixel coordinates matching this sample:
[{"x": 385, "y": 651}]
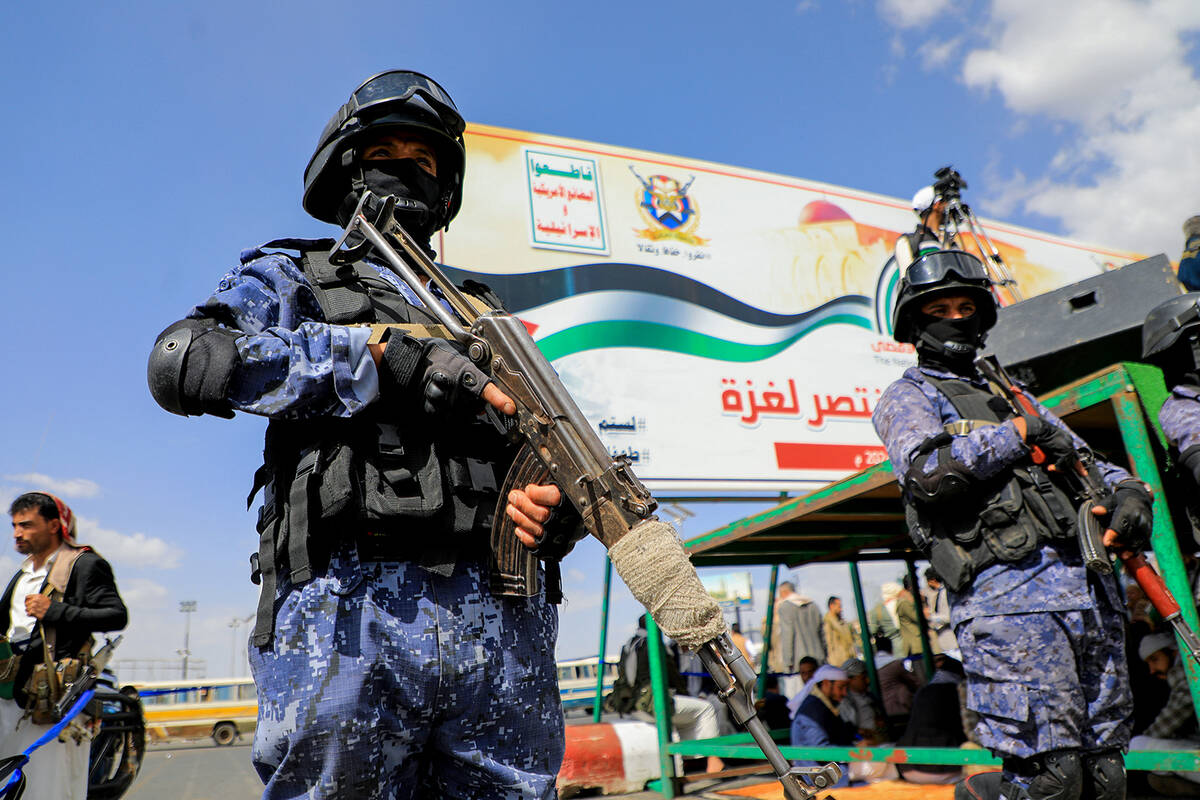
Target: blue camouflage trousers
[
  {"x": 1050, "y": 680},
  {"x": 387, "y": 681}
]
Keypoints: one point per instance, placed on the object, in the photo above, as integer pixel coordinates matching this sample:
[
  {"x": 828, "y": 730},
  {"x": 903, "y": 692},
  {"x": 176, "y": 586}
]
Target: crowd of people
[{"x": 836, "y": 704}]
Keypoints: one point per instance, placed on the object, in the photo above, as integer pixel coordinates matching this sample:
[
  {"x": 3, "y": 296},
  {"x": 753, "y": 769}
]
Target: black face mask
[
  {"x": 1181, "y": 363},
  {"x": 417, "y": 194},
  {"x": 948, "y": 344}
]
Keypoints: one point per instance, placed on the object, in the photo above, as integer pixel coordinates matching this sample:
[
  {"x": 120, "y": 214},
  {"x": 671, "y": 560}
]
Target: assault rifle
[
  {"x": 87, "y": 677},
  {"x": 1086, "y": 475},
  {"x": 1091, "y": 531},
  {"x": 561, "y": 447}
]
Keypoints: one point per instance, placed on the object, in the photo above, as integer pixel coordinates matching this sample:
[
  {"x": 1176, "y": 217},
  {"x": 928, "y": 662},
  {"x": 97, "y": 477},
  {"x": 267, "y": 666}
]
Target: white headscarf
[
  {"x": 1154, "y": 642},
  {"x": 825, "y": 672}
]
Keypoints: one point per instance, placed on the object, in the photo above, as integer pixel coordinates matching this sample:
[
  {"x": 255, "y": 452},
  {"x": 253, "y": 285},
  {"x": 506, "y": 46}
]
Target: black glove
[
  {"x": 1189, "y": 462},
  {"x": 1055, "y": 442},
  {"x": 451, "y": 381},
  {"x": 447, "y": 380},
  {"x": 1132, "y": 517}
]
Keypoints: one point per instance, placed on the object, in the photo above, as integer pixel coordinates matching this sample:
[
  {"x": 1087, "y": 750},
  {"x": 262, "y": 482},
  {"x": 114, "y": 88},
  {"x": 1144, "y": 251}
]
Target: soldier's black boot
[{"x": 1103, "y": 775}]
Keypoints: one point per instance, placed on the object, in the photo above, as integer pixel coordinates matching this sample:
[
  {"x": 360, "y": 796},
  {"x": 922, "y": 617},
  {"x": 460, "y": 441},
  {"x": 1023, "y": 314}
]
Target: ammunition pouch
[
  {"x": 1013, "y": 520},
  {"x": 42, "y": 694},
  {"x": 417, "y": 498}
]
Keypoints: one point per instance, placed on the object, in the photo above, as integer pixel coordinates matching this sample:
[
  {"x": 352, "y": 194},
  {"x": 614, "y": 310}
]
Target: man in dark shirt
[{"x": 61, "y": 594}]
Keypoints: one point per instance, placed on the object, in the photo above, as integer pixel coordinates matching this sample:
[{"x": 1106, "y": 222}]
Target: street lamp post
[
  {"x": 186, "y": 607},
  {"x": 236, "y": 623}
]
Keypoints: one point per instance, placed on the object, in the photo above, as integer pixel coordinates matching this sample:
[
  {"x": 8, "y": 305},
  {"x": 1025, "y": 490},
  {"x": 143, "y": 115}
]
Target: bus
[
  {"x": 222, "y": 708},
  {"x": 226, "y": 708},
  {"x": 577, "y": 682}
]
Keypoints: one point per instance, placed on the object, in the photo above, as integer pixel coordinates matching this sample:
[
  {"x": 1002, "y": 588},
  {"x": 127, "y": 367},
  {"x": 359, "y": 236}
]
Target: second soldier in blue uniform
[
  {"x": 1042, "y": 638},
  {"x": 1171, "y": 340}
]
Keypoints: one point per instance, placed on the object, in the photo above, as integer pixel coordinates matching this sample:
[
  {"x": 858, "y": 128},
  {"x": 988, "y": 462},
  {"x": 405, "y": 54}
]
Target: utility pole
[
  {"x": 236, "y": 623},
  {"x": 186, "y": 607}
]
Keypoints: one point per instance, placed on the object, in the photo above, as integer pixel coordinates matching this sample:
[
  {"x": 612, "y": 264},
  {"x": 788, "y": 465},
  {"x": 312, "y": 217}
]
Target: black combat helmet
[
  {"x": 397, "y": 99},
  {"x": 938, "y": 273},
  {"x": 1170, "y": 323}
]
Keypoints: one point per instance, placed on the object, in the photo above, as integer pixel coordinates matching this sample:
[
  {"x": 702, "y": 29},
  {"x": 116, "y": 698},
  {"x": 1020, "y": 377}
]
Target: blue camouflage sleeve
[
  {"x": 1180, "y": 420},
  {"x": 906, "y": 417},
  {"x": 293, "y": 364}
]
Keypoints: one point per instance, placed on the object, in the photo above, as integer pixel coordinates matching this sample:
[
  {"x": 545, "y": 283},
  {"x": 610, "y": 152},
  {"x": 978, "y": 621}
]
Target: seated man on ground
[
  {"x": 1175, "y": 726},
  {"x": 936, "y": 721},
  {"x": 815, "y": 720},
  {"x": 773, "y": 707},
  {"x": 861, "y": 708},
  {"x": 896, "y": 685},
  {"x": 692, "y": 717},
  {"x": 806, "y": 669}
]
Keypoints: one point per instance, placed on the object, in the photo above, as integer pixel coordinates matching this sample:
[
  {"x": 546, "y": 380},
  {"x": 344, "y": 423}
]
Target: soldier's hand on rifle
[
  {"x": 447, "y": 379},
  {"x": 1056, "y": 443},
  {"x": 1132, "y": 518},
  {"x": 531, "y": 509}
]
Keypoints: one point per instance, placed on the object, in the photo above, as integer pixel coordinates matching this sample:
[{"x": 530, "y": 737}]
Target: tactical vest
[
  {"x": 1005, "y": 519},
  {"x": 388, "y": 477}
]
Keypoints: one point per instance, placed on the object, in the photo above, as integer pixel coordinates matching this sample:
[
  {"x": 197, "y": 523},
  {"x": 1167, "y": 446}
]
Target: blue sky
[{"x": 145, "y": 144}]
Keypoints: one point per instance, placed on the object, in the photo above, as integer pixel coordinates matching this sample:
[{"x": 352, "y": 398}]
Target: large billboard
[{"x": 725, "y": 329}]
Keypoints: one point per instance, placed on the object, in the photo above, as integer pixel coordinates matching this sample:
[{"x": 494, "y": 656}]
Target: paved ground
[
  {"x": 196, "y": 771},
  {"x": 199, "y": 770}
]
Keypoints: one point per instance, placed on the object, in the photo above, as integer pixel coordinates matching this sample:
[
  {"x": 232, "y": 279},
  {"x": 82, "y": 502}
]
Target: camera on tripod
[
  {"x": 949, "y": 183},
  {"x": 960, "y": 229}
]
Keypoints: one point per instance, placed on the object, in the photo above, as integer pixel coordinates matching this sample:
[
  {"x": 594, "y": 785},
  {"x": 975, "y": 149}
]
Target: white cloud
[
  {"x": 64, "y": 487},
  {"x": 128, "y": 549},
  {"x": 1118, "y": 74},
  {"x": 143, "y": 594},
  {"x": 911, "y": 13},
  {"x": 935, "y": 55}
]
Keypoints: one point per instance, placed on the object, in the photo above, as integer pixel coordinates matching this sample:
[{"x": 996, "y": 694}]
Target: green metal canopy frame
[{"x": 861, "y": 518}]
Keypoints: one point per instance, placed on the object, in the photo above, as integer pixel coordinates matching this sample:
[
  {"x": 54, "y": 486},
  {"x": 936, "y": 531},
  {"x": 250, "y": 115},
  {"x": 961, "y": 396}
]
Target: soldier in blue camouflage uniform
[
  {"x": 1041, "y": 637},
  {"x": 1171, "y": 340},
  {"x": 385, "y": 666}
]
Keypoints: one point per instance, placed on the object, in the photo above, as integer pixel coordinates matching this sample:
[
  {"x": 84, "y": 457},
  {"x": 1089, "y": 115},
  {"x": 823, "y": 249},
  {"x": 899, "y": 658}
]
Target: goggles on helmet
[
  {"x": 398, "y": 86},
  {"x": 936, "y": 267}
]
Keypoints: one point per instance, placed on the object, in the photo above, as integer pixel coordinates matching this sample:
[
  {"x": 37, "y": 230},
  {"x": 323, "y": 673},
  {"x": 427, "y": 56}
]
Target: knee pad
[
  {"x": 1103, "y": 775},
  {"x": 980, "y": 786},
  {"x": 1057, "y": 775}
]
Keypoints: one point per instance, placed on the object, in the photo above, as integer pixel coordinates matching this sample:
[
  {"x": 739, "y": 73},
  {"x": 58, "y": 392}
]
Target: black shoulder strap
[
  {"x": 968, "y": 400},
  {"x": 342, "y": 299}
]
